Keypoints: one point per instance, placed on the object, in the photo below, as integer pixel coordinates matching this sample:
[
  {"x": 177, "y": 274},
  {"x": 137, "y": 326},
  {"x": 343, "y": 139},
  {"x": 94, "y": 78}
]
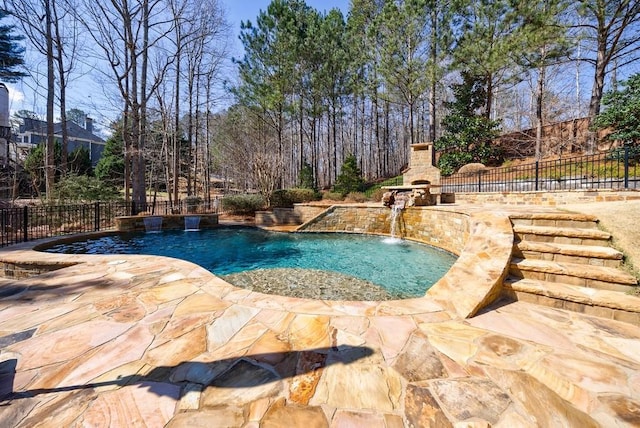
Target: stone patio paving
[{"x": 142, "y": 341}]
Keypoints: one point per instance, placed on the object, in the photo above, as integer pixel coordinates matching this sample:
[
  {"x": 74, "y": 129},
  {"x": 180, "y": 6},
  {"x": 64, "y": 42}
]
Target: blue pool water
[{"x": 403, "y": 268}]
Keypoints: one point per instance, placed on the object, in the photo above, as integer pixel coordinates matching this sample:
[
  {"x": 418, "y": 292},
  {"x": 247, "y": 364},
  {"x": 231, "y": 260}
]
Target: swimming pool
[{"x": 328, "y": 266}]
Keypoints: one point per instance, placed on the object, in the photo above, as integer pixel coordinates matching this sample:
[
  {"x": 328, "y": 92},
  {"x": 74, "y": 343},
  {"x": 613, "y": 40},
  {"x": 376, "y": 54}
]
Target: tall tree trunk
[
  {"x": 190, "y": 134},
  {"x": 126, "y": 121},
  {"x": 539, "y": 116},
  {"x": 176, "y": 135},
  {"x": 196, "y": 140},
  {"x": 411, "y": 124},
  {"x": 489, "y": 105},
  {"x": 63, "y": 92},
  {"x": 139, "y": 182},
  {"x": 50, "y": 145},
  {"x": 596, "y": 94}
]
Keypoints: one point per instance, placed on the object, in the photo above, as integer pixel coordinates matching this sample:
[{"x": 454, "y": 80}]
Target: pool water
[{"x": 401, "y": 269}]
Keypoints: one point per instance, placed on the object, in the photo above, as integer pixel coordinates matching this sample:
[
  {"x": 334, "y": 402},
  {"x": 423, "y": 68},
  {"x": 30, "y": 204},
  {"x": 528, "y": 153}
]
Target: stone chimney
[
  {"x": 421, "y": 166},
  {"x": 88, "y": 124}
]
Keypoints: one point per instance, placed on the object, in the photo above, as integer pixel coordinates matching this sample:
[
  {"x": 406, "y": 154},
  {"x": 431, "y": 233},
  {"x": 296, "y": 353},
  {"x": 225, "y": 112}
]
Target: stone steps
[
  {"x": 564, "y": 220},
  {"x": 564, "y": 260},
  {"x": 561, "y": 235},
  {"x": 591, "y": 301},
  {"x": 602, "y": 277},
  {"x": 593, "y": 255}
]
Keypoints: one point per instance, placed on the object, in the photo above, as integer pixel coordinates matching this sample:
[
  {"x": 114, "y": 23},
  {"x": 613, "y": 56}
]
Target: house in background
[{"x": 33, "y": 132}]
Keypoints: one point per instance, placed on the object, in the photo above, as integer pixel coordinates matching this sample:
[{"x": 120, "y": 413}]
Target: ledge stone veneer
[
  {"x": 300, "y": 213},
  {"x": 482, "y": 241},
  {"x": 545, "y": 198},
  {"x": 169, "y": 222}
]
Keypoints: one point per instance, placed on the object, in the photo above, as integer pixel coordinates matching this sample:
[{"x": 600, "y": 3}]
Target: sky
[{"x": 23, "y": 94}]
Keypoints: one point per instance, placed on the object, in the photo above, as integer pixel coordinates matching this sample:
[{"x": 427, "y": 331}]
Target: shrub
[
  {"x": 333, "y": 196},
  {"x": 307, "y": 179},
  {"x": 622, "y": 112},
  {"x": 243, "y": 204},
  {"x": 285, "y": 198},
  {"x": 617, "y": 154},
  {"x": 350, "y": 177},
  {"x": 356, "y": 197},
  {"x": 82, "y": 188}
]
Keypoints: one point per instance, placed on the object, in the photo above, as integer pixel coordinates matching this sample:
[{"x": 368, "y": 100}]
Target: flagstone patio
[{"x": 141, "y": 341}]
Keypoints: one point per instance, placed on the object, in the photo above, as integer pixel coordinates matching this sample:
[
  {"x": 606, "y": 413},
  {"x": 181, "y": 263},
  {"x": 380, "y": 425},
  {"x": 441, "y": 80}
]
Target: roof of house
[{"x": 75, "y": 131}]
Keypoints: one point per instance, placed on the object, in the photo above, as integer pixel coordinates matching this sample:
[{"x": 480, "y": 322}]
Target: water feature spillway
[
  {"x": 191, "y": 223},
  {"x": 153, "y": 224},
  {"x": 396, "y": 214}
]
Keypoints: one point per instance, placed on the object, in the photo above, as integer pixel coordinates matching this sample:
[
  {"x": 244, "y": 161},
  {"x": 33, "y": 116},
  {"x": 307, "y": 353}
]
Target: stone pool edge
[
  {"x": 483, "y": 241},
  {"x": 473, "y": 282}
]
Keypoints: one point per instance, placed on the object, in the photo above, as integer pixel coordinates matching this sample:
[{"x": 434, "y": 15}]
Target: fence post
[
  {"x": 537, "y": 173},
  {"x": 96, "y": 216},
  {"x": 133, "y": 208},
  {"x": 626, "y": 166},
  {"x": 479, "y": 182},
  {"x": 25, "y": 221}
]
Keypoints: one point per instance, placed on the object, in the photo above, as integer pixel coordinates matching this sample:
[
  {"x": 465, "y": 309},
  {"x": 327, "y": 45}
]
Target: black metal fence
[
  {"x": 615, "y": 169},
  {"x": 27, "y": 223}
]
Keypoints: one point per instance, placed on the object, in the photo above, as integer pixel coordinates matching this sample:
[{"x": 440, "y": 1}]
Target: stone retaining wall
[
  {"x": 169, "y": 222},
  {"x": 29, "y": 269},
  {"x": 443, "y": 228},
  {"x": 299, "y": 214},
  {"x": 564, "y": 197}
]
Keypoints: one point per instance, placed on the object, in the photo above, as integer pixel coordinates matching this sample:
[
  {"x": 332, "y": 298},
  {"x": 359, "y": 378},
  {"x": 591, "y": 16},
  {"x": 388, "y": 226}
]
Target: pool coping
[{"x": 473, "y": 282}]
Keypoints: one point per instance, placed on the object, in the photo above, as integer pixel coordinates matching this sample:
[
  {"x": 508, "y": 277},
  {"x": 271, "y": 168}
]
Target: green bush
[
  {"x": 333, "y": 196},
  {"x": 617, "y": 154},
  {"x": 350, "y": 177},
  {"x": 307, "y": 179},
  {"x": 285, "y": 198},
  {"x": 243, "y": 204},
  {"x": 83, "y": 188},
  {"x": 621, "y": 112}
]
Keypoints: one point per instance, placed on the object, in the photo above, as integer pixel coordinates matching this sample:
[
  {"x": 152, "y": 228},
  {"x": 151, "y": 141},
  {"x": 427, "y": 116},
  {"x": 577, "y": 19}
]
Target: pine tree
[
  {"x": 622, "y": 112},
  {"x": 468, "y": 133},
  {"x": 545, "y": 43},
  {"x": 350, "y": 177},
  {"x": 404, "y": 44},
  {"x": 612, "y": 28},
  {"x": 486, "y": 43},
  {"x": 11, "y": 53},
  {"x": 110, "y": 167}
]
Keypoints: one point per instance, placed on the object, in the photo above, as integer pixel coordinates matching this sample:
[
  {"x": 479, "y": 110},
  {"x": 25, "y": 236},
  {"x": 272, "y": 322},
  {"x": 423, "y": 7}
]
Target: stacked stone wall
[
  {"x": 446, "y": 229},
  {"x": 547, "y": 198},
  {"x": 169, "y": 222}
]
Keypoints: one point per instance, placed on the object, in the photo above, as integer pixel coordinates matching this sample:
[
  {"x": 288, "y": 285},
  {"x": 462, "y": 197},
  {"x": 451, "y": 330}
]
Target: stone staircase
[{"x": 564, "y": 260}]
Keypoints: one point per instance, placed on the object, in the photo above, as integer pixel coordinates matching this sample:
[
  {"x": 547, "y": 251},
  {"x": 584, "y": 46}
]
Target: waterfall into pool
[
  {"x": 191, "y": 223},
  {"x": 396, "y": 222},
  {"x": 152, "y": 224}
]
